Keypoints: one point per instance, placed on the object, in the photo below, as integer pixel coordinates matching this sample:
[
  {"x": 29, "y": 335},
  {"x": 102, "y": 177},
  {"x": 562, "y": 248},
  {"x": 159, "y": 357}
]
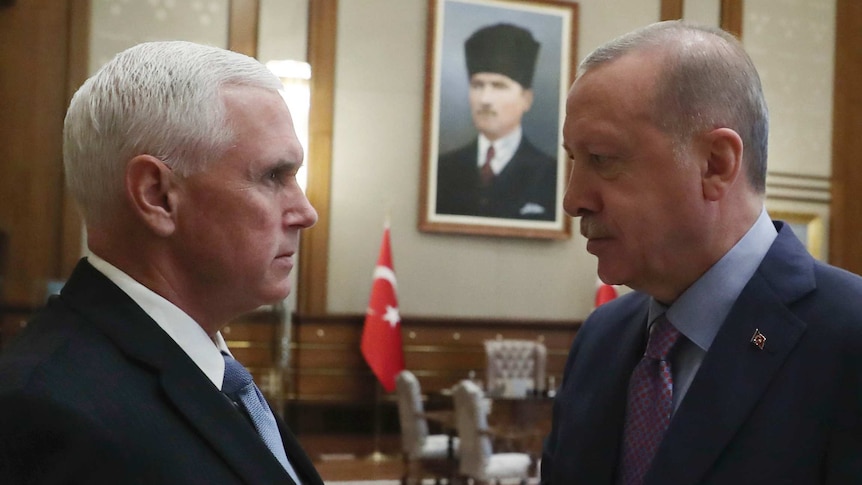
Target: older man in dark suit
[
  {"x": 738, "y": 359},
  {"x": 183, "y": 159},
  {"x": 500, "y": 173}
]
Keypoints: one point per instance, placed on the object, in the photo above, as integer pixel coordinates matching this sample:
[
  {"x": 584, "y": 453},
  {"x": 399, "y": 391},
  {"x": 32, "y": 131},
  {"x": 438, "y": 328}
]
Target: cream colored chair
[
  {"x": 478, "y": 462},
  {"x": 424, "y": 454},
  {"x": 515, "y": 367}
]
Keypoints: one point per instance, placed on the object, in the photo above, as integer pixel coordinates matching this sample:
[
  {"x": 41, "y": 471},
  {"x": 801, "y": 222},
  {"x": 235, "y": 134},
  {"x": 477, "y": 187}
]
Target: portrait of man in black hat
[{"x": 500, "y": 173}]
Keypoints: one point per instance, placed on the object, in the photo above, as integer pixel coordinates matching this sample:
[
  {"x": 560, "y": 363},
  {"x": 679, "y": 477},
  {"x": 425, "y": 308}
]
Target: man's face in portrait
[{"x": 497, "y": 103}]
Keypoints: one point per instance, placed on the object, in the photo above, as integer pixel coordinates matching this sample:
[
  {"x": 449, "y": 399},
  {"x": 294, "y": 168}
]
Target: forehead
[
  {"x": 261, "y": 123},
  {"x": 617, "y": 91}
]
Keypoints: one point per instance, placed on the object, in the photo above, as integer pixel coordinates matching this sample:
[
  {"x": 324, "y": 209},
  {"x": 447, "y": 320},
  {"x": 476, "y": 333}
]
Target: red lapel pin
[{"x": 758, "y": 339}]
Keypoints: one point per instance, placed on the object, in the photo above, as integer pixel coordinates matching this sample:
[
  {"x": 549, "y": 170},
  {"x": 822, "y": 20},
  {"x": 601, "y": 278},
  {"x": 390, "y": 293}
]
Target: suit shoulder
[
  {"x": 618, "y": 311},
  {"x": 46, "y": 351},
  {"x": 838, "y": 298},
  {"x": 539, "y": 157},
  {"x": 466, "y": 153}
]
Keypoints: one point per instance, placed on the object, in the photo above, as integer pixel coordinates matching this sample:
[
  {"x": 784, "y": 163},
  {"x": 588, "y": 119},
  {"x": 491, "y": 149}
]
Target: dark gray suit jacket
[
  {"x": 790, "y": 414},
  {"x": 94, "y": 391},
  {"x": 525, "y": 189}
]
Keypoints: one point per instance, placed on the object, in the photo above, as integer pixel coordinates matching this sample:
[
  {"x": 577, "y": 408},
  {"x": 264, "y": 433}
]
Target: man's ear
[
  {"x": 528, "y": 99},
  {"x": 723, "y": 163},
  {"x": 151, "y": 191}
]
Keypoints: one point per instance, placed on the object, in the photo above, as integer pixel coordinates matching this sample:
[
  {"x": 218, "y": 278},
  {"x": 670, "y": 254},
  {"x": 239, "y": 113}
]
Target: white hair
[{"x": 158, "y": 98}]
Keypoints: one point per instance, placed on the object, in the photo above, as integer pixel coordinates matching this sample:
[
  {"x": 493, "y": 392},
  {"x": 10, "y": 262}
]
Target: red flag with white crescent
[{"x": 381, "y": 336}]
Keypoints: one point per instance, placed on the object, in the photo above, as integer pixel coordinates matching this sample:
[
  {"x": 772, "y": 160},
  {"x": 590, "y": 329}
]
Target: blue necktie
[{"x": 239, "y": 386}]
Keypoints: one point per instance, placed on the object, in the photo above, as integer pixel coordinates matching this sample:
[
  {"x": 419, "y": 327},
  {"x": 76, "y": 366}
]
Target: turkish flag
[
  {"x": 381, "y": 335},
  {"x": 604, "y": 293}
]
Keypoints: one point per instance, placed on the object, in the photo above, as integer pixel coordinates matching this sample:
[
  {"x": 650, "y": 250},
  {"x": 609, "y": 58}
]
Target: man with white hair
[{"x": 183, "y": 159}]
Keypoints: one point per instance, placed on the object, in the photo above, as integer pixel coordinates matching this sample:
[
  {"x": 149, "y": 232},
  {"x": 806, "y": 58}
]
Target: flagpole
[{"x": 377, "y": 455}]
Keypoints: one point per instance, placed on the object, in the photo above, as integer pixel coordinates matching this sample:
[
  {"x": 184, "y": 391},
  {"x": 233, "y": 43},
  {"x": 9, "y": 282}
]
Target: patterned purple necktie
[{"x": 650, "y": 404}]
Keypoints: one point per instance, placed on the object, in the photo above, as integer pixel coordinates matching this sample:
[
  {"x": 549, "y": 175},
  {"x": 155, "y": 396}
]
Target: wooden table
[{"x": 520, "y": 424}]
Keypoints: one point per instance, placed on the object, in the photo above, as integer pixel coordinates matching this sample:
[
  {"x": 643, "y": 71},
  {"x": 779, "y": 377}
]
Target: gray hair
[
  {"x": 709, "y": 81},
  {"x": 157, "y": 98}
]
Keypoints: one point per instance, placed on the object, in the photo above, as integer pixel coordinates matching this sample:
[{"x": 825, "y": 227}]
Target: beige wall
[
  {"x": 120, "y": 24},
  {"x": 378, "y": 128},
  {"x": 378, "y": 124}
]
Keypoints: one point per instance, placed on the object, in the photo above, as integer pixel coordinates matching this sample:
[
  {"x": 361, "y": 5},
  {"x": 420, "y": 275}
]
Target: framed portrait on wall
[{"x": 497, "y": 74}]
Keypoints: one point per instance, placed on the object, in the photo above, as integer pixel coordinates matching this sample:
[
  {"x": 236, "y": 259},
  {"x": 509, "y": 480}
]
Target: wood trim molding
[
  {"x": 671, "y": 9},
  {"x": 78, "y": 62},
  {"x": 846, "y": 209},
  {"x": 313, "y": 274},
  {"x": 357, "y": 319},
  {"x": 731, "y": 17},
  {"x": 243, "y": 26},
  {"x": 327, "y": 365}
]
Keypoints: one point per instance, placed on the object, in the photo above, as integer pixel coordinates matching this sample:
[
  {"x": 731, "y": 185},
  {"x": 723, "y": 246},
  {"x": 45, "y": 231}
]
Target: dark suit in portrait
[
  {"x": 525, "y": 189},
  {"x": 97, "y": 392}
]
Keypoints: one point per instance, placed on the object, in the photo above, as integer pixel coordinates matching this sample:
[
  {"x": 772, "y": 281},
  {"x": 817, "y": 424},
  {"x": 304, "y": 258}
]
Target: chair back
[
  {"x": 414, "y": 427},
  {"x": 515, "y": 366},
  {"x": 471, "y": 421}
]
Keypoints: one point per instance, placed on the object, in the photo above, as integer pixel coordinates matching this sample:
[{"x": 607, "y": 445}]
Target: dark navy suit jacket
[
  {"x": 789, "y": 414},
  {"x": 526, "y": 188},
  {"x": 94, "y": 391}
]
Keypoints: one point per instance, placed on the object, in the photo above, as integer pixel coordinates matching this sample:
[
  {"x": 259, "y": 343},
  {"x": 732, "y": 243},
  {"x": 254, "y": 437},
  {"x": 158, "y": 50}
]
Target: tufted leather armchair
[{"x": 515, "y": 367}]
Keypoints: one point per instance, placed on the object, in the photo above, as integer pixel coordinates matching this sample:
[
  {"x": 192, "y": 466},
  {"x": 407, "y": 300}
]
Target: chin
[
  {"x": 275, "y": 295},
  {"x": 611, "y": 276}
]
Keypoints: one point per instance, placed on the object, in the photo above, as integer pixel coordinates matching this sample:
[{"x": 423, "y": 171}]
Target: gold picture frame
[
  {"x": 807, "y": 226},
  {"x": 449, "y": 198}
]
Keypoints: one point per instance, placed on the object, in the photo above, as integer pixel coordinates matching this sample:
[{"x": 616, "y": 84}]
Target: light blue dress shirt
[{"x": 701, "y": 309}]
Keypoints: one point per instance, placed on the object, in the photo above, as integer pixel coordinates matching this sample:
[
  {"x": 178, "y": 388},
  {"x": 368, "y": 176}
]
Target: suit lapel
[
  {"x": 298, "y": 458},
  {"x": 224, "y": 428},
  {"x": 206, "y": 409},
  {"x": 600, "y": 412},
  {"x": 735, "y": 373}
]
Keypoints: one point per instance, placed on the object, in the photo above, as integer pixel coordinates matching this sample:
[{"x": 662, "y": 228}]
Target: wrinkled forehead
[{"x": 626, "y": 85}]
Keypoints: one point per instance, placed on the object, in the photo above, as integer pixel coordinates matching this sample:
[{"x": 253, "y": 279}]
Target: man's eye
[
  {"x": 597, "y": 159},
  {"x": 608, "y": 167},
  {"x": 277, "y": 175}
]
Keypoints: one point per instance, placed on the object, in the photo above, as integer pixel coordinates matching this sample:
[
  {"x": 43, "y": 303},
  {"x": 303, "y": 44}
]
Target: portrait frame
[
  {"x": 448, "y": 121},
  {"x": 807, "y": 226}
]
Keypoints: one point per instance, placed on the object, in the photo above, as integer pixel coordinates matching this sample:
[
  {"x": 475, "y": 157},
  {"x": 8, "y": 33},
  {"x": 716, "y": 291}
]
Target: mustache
[
  {"x": 592, "y": 228},
  {"x": 485, "y": 110}
]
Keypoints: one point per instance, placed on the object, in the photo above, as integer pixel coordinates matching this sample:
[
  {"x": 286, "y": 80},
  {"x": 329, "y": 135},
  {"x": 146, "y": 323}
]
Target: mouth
[
  {"x": 593, "y": 230},
  {"x": 285, "y": 256}
]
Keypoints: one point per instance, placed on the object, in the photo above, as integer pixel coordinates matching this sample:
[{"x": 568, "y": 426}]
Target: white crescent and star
[
  {"x": 391, "y": 316},
  {"x": 386, "y": 273}
]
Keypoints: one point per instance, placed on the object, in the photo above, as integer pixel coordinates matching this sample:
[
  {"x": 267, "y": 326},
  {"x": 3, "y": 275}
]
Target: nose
[
  {"x": 579, "y": 198},
  {"x": 485, "y": 95},
  {"x": 302, "y": 213}
]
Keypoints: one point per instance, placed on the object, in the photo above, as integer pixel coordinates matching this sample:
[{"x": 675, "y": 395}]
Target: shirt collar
[
  {"x": 504, "y": 149},
  {"x": 701, "y": 310},
  {"x": 191, "y": 337}
]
